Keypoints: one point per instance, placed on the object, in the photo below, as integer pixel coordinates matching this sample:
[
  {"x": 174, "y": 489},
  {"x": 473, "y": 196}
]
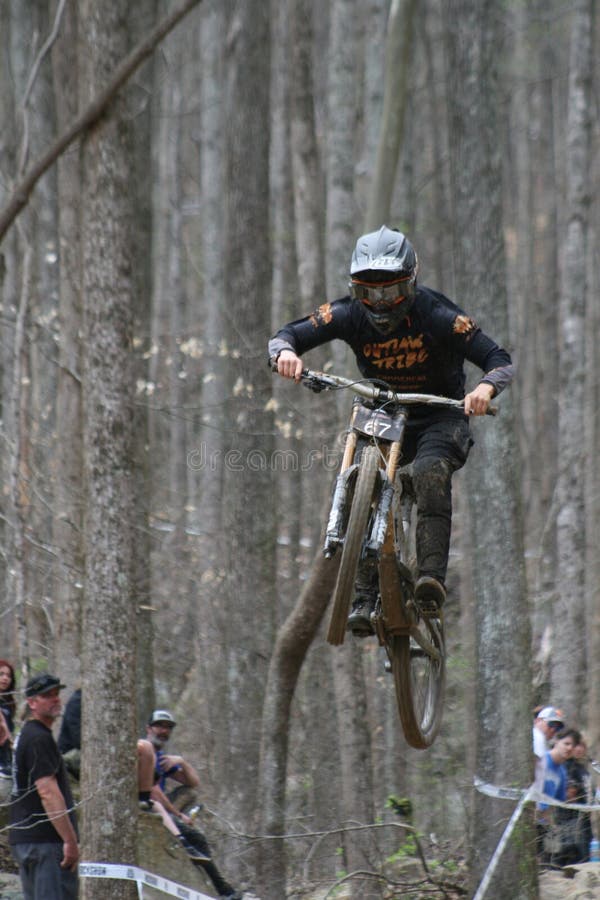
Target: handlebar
[{"x": 322, "y": 381}]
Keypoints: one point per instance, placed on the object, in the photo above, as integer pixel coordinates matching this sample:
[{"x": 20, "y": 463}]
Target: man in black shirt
[
  {"x": 43, "y": 828},
  {"x": 415, "y": 339}
]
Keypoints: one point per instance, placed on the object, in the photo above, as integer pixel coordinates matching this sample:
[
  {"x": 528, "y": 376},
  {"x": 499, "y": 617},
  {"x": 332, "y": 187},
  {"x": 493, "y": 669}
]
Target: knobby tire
[
  {"x": 419, "y": 680},
  {"x": 355, "y": 534}
]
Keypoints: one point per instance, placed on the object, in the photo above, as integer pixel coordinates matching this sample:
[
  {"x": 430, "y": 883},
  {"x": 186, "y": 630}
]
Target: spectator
[
  {"x": 555, "y": 786},
  {"x": 69, "y": 738},
  {"x": 575, "y": 825},
  {"x": 146, "y": 762},
  {"x": 8, "y": 704},
  {"x": 158, "y": 732},
  {"x": 547, "y": 722},
  {"x": 7, "y": 725},
  {"x": 43, "y": 828}
]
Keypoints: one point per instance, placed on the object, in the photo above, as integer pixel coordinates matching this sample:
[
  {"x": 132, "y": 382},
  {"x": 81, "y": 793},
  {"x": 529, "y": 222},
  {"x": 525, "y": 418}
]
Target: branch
[
  {"x": 31, "y": 81},
  {"x": 90, "y": 115}
]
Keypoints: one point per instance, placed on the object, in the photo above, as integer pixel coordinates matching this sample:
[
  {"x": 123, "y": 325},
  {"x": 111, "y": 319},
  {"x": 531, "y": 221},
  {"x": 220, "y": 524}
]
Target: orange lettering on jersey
[
  {"x": 401, "y": 360},
  {"x": 391, "y": 347}
]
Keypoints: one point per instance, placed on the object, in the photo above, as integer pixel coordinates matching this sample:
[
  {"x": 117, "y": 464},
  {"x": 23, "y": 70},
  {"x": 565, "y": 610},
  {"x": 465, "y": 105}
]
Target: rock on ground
[{"x": 571, "y": 883}]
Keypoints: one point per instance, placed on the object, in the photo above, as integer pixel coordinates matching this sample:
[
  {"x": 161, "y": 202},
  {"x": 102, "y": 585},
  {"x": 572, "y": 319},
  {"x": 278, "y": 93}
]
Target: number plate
[{"x": 377, "y": 423}]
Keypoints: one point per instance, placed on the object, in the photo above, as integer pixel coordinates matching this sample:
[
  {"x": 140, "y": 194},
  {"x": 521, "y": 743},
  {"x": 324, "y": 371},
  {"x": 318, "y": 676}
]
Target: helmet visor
[{"x": 384, "y": 296}]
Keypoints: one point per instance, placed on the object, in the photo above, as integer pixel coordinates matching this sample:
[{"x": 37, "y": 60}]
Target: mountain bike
[{"x": 371, "y": 521}]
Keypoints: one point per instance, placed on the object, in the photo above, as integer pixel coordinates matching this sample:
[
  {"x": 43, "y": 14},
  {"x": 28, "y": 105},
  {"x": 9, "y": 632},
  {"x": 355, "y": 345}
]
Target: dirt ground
[
  {"x": 572, "y": 883},
  {"x": 6, "y": 861}
]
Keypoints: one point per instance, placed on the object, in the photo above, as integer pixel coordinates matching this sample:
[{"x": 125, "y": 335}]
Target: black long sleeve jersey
[{"x": 425, "y": 354}]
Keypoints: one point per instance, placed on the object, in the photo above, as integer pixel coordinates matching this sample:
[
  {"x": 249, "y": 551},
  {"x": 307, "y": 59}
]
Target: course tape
[
  {"x": 506, "y": 793},
  {"x": 133, "y": 873}
]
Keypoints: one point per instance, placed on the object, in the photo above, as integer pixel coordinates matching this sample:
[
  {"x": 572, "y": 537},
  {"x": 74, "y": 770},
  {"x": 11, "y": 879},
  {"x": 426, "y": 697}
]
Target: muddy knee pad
[{"x": 432, "y": 479}]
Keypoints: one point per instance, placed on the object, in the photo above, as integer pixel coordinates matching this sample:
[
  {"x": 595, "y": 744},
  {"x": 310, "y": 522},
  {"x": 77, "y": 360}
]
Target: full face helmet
[{"x": 383, "y": 277}]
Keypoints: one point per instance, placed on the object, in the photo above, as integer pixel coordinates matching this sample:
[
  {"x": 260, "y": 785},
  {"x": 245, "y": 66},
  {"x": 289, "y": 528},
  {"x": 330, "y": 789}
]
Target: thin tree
[
  {"x": 68, "y": 521},
  {"x": 568, "y": 672},
  {"x": 356, "y": 795},
  {"x": 398, "y": 56},
  {"x": 247, "y": 545}
]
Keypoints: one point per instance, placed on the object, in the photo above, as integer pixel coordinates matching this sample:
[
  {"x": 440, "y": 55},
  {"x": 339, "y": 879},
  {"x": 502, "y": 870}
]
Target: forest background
[{"x": 163, "y": 495}]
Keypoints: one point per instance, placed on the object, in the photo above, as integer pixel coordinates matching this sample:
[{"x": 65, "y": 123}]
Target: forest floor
[
  {"x": 573, "y": 883},
  {"x": 7, "y": 863}
]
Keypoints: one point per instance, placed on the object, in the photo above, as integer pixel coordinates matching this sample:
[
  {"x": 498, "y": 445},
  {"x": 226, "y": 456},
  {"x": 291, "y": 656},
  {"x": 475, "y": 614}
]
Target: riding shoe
[
  {"x": 430, "y": 595},
  {"x": 359, "y": 620}
]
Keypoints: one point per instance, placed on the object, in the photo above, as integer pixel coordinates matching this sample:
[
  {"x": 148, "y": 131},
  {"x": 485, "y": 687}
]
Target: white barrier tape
[
  {"x": 500, "y": 793},
  {"x": 133, "y": 873},
  {"x": 505, "y": 793},
  {"x": 487, "y": 875},
  {"x": 540, "y": 797}
]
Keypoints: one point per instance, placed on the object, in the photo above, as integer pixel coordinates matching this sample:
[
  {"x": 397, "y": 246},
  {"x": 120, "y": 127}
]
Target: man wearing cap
[
  {"x": 547, "y": 723},
  {"x": 43, "y": 828},
  {"x": 158, "y": 731}
]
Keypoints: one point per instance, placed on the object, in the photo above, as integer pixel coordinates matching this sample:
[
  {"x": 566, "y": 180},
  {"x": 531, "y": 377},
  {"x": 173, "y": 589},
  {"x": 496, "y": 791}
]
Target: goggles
[{"x": 384, "y": 296}]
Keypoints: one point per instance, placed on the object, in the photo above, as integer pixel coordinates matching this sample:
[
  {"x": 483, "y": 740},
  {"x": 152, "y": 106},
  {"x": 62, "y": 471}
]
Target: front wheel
[
  {"x": 362, "y": 504},
  {"x": 419, "y": 669}
]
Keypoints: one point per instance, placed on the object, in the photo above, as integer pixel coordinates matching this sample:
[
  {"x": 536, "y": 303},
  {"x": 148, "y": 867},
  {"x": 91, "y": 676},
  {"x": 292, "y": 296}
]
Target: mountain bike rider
[{"x": 415, "y": 339}]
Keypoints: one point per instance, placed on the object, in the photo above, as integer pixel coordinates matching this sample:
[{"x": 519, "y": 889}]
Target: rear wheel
[
  {"x": 362, "y": 504},
  {"x": 419, "y": 669}
]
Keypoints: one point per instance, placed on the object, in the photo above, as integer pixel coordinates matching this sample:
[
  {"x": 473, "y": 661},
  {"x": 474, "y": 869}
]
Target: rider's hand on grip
[{"x": 289, "y": 365}]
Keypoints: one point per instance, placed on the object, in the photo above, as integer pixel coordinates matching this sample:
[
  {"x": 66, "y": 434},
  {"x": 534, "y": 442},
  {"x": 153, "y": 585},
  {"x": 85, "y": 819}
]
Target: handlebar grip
[{"x": 491, "y": 411}]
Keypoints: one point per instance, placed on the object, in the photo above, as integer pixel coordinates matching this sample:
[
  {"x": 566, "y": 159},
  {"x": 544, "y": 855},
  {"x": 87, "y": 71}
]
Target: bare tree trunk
[
  {"x": 320, "y": 750},
  {"x": 109, "y": 260},
  {"x": 289, "y": 480},
  {"x": 145, "y": 80},
  {"x": 32, "y": 288},
  {"x": 373, "y": 27},
  {"x": 544, "y": 278},
  {"x": 502, "y": 756},
  {"x": 398, "y": 55},
  {"x": 293, "y": 641},
  {"x": 68, "y": 522},
  {"x": 212, "y": 181},
  {"x": 353, "y": 733},
  {"x": 20, "y": 476},
  {"x": 248, "y": 537},
  {"x": 568, "y": 673}
]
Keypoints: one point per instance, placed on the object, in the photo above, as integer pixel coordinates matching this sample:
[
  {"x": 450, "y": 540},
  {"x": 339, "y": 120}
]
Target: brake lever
[{"x": 313, "y": 385}]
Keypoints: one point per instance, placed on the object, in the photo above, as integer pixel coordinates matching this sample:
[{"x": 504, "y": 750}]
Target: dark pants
[
  {"x": 41, "y": 875},
  {"x": 436, "y": 449},
  {"x": 198, "y": 840}
]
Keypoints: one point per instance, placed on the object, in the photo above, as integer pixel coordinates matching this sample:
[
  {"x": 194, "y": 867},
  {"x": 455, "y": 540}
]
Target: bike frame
[
  {"x": 370, "y": 522},
  {"x": 385, "y": 543}
]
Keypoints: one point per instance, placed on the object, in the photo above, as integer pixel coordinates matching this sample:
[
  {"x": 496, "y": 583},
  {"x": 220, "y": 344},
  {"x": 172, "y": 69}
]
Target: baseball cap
[
  {"x": 162, "y": 715},
  {"x": 42, "y": 683},
  {"x": 551, "y": 714}
]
